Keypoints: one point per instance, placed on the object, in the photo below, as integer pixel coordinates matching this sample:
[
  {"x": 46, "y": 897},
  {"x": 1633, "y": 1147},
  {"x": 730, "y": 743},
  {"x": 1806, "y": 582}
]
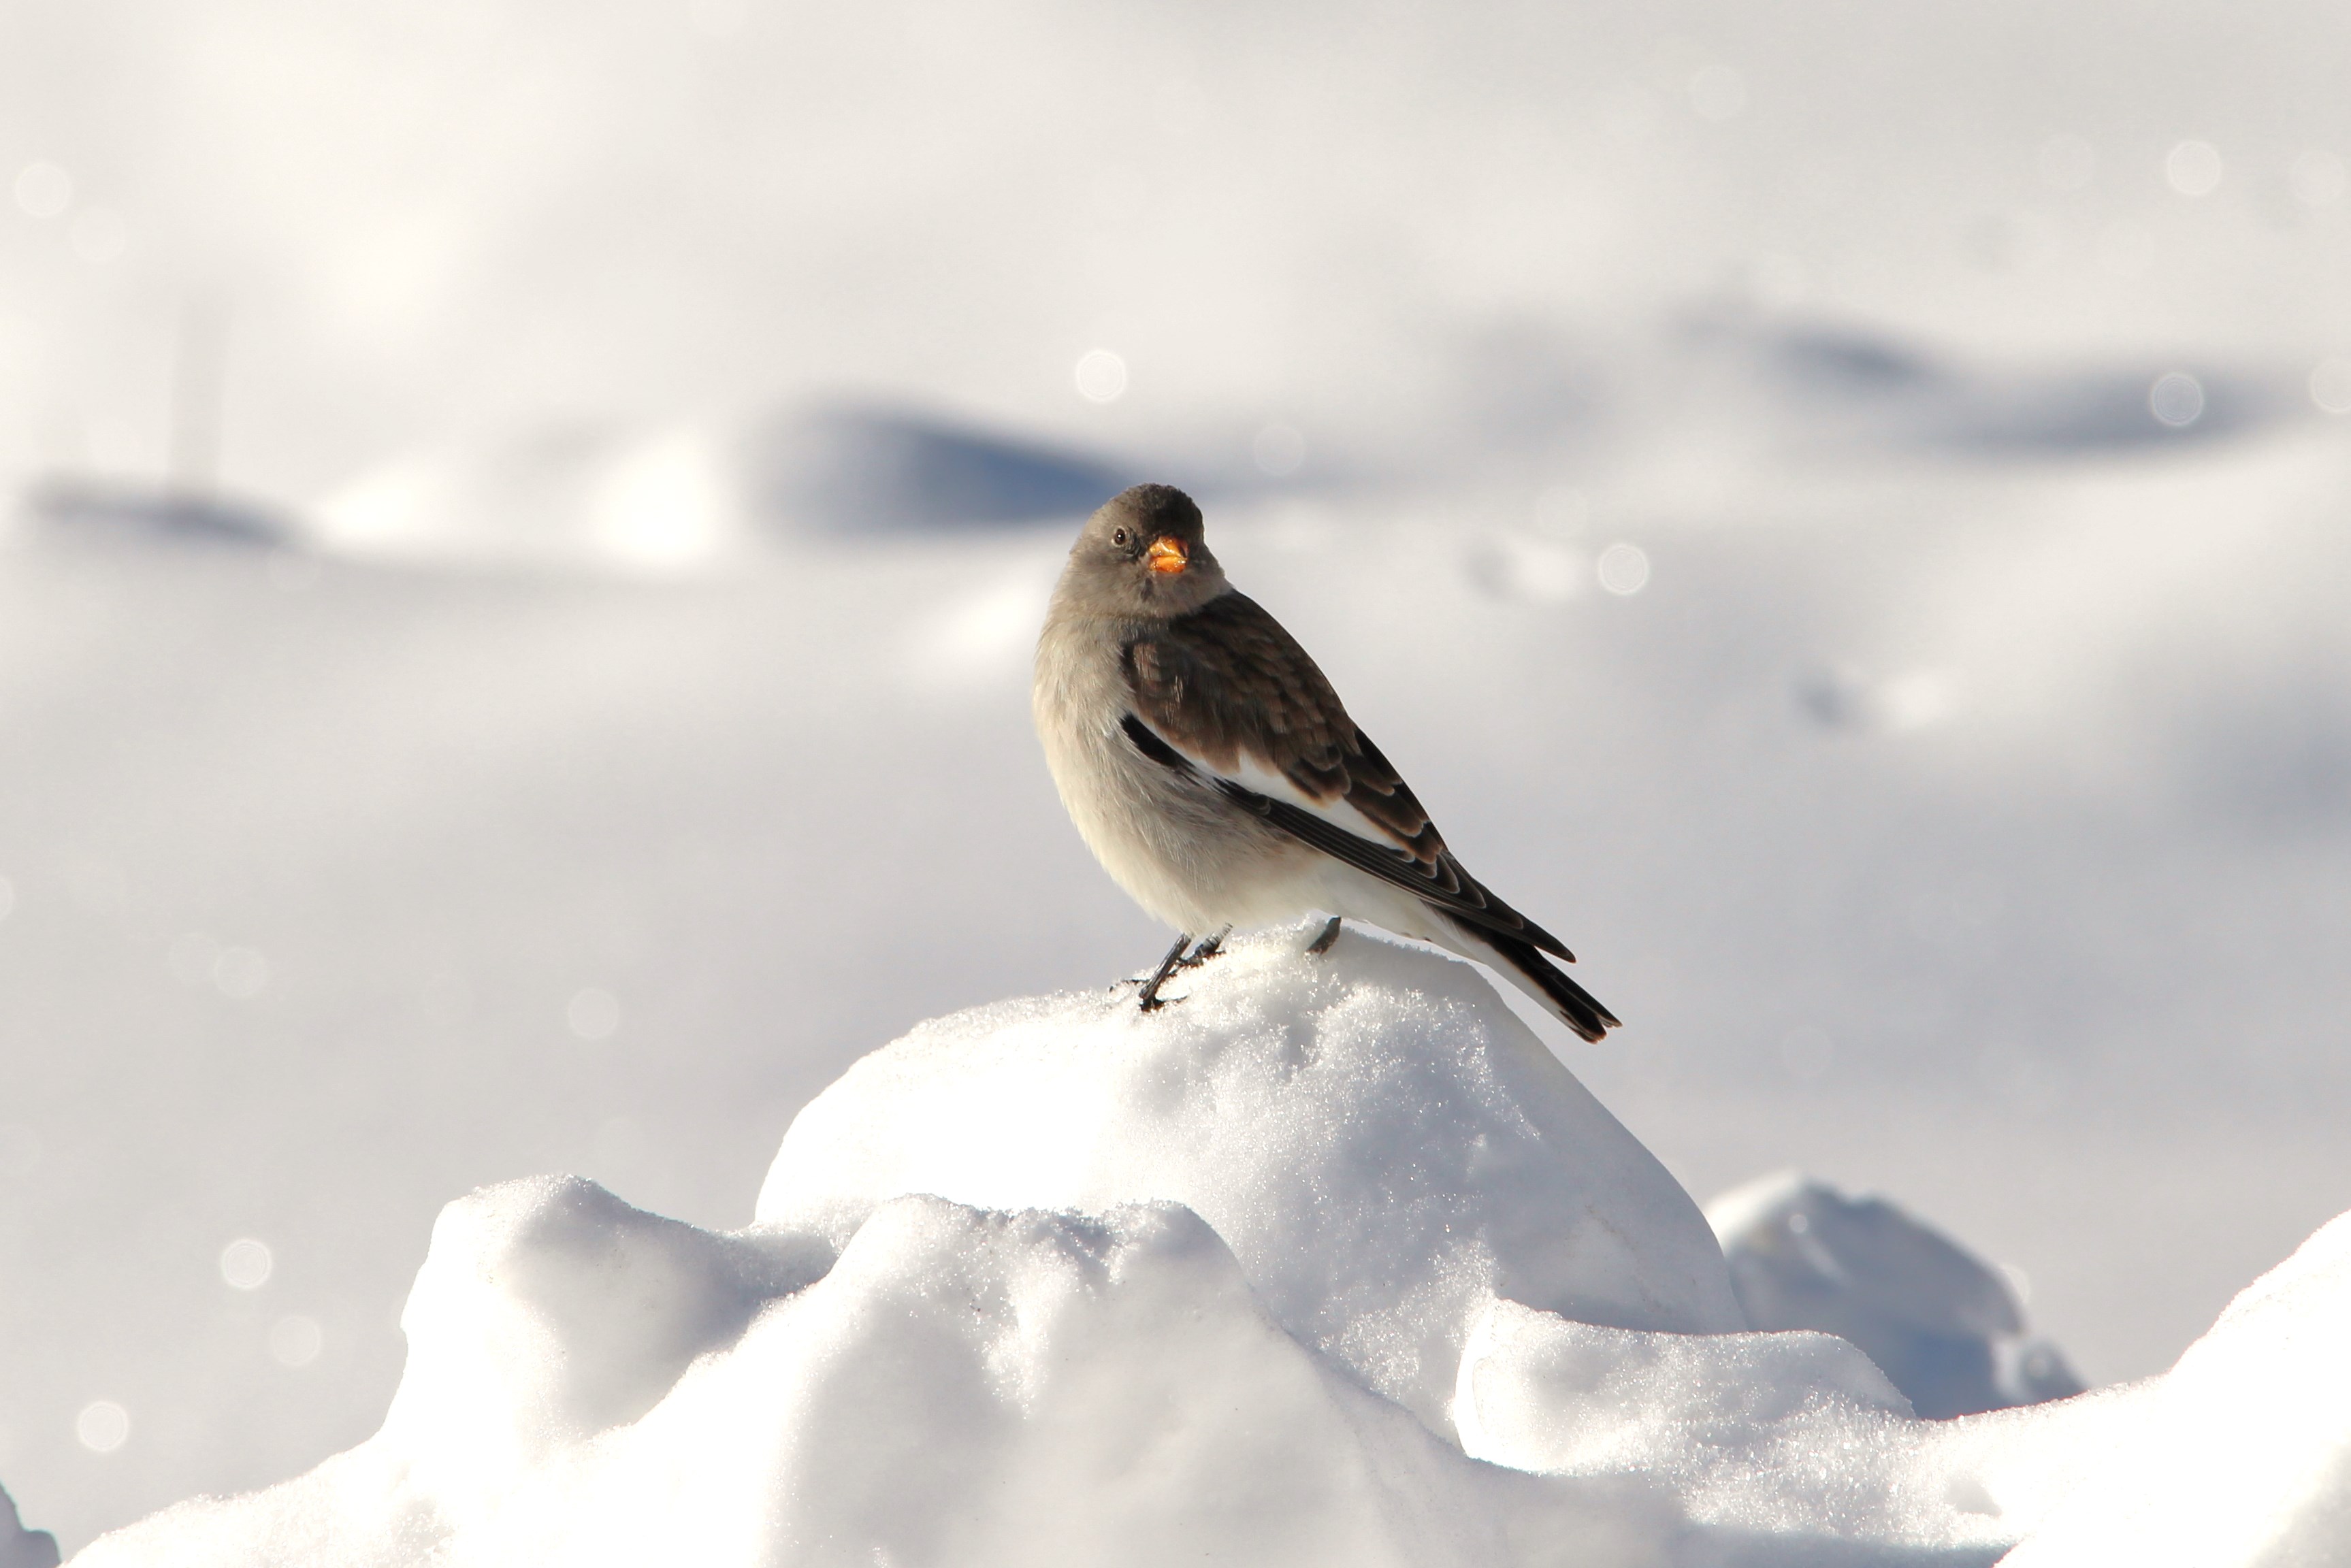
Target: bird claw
[
  {"x": 1151, "y": 1001},
  {"x": 1209, "y": 948},
  {"x": 1321, "y": 944}
]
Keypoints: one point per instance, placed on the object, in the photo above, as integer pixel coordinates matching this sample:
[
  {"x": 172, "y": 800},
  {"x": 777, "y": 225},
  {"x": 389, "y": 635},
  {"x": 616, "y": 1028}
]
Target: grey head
[{"x": 1141, "y": 557}]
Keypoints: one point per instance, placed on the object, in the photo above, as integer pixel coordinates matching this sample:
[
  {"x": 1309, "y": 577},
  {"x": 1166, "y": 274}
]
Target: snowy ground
[{"x": 1958, "y": 809}]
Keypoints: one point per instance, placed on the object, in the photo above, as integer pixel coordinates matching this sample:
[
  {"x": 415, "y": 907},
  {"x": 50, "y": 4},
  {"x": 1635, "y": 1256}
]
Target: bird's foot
[
  {"x": 1149, "y": 1001},
  {"x": 1321, "y": 944},
  {"x": 1209, "y": 948}
]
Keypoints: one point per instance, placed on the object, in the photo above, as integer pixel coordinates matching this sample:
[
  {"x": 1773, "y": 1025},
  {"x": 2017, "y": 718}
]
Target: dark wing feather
[
  {"x": 1226, "y": 681},
  {"x": 1578, "y": 1009}
]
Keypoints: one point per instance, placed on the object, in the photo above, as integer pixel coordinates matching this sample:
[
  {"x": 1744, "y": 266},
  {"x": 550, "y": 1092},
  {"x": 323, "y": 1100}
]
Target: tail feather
[{"x": 1561, "y": 996}]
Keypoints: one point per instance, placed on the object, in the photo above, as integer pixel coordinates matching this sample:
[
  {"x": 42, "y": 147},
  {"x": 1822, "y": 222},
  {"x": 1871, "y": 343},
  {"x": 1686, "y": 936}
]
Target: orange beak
[{"x": 1167, "y": 555}]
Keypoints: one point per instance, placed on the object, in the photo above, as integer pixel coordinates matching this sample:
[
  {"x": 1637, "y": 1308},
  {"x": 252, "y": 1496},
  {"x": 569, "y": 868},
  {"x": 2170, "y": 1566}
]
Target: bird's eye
[{"x": 1119, "y": 539}]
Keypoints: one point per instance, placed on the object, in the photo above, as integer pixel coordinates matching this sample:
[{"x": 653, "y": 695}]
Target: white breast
[{"x": 1179, "y": 849}]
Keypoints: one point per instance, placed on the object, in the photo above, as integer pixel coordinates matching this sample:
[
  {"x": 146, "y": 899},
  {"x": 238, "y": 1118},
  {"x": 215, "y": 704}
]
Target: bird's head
[{"x": 1142, "y": 554}]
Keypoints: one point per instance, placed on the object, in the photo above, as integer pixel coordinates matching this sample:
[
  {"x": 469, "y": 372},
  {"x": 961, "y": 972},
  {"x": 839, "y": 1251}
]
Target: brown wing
[{"x": 1227, "y": 681}]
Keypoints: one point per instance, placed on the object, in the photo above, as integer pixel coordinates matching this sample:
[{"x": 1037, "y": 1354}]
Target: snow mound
[
  {"x": 2241, "y": 1454},
  {"x": 1778, "y": 1448},
  {"x": 1941, "y": 1323},
  {"x": 1382, "y": 1144},
  {"x": 1328, "y": 1263},
  {"x": 19, "y": 1547},
  {"x": 591, "y": 1385}
]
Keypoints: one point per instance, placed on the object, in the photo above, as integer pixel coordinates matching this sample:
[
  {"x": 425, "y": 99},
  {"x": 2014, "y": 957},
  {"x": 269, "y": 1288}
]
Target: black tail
[{"x": 1574, "y": 1006}]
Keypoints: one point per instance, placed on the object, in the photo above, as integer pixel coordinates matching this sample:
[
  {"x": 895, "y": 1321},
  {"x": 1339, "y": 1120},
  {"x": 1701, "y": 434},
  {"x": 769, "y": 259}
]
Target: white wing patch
[{"x": 1252, "y": 775}]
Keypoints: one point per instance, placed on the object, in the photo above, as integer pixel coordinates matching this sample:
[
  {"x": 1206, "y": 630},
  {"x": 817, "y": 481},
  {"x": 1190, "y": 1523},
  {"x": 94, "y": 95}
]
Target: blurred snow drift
[
  {"x": 1255, "y": 1278},
  {"x": 22, "y": 1548},
  {"x": 1944, "y": 1327},
  {"x": 692, "y": 499}
]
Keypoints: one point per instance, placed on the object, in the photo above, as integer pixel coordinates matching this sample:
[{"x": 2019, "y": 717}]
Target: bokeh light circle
[
  {"x": 295, "y": 1341},
  {"x": 1278, "y": 450},
  {"x": 1623, "y": 569},
  {"x": 2177, "y": 399},
  {"x": 43, "y": 190},
  {"x": 593, "y": 1013},
  {"x": 2194, "y": 168},
  {"x": 1100, "y": 376},
  {"x": 103, "y": 1425},
  {"x": 245, "y": 1264}
]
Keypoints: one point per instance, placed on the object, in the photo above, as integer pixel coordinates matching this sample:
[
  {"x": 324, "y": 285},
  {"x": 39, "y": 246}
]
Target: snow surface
[{"x": 1228, "y": 1254}]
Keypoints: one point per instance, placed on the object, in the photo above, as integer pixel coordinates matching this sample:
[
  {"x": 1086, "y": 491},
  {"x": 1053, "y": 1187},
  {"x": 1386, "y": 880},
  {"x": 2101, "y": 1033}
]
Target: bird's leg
[
  {"x": 1208, "y": 948},
  {"x": 1150, "y": 998},
  {"x": 1321, "y": 944}
]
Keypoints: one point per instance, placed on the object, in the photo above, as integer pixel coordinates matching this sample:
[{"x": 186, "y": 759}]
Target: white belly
[{"x": 1179, "y": 849}]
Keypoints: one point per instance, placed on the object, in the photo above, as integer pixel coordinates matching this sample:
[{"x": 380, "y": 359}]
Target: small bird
[{"x": 1216, "y": 775}]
